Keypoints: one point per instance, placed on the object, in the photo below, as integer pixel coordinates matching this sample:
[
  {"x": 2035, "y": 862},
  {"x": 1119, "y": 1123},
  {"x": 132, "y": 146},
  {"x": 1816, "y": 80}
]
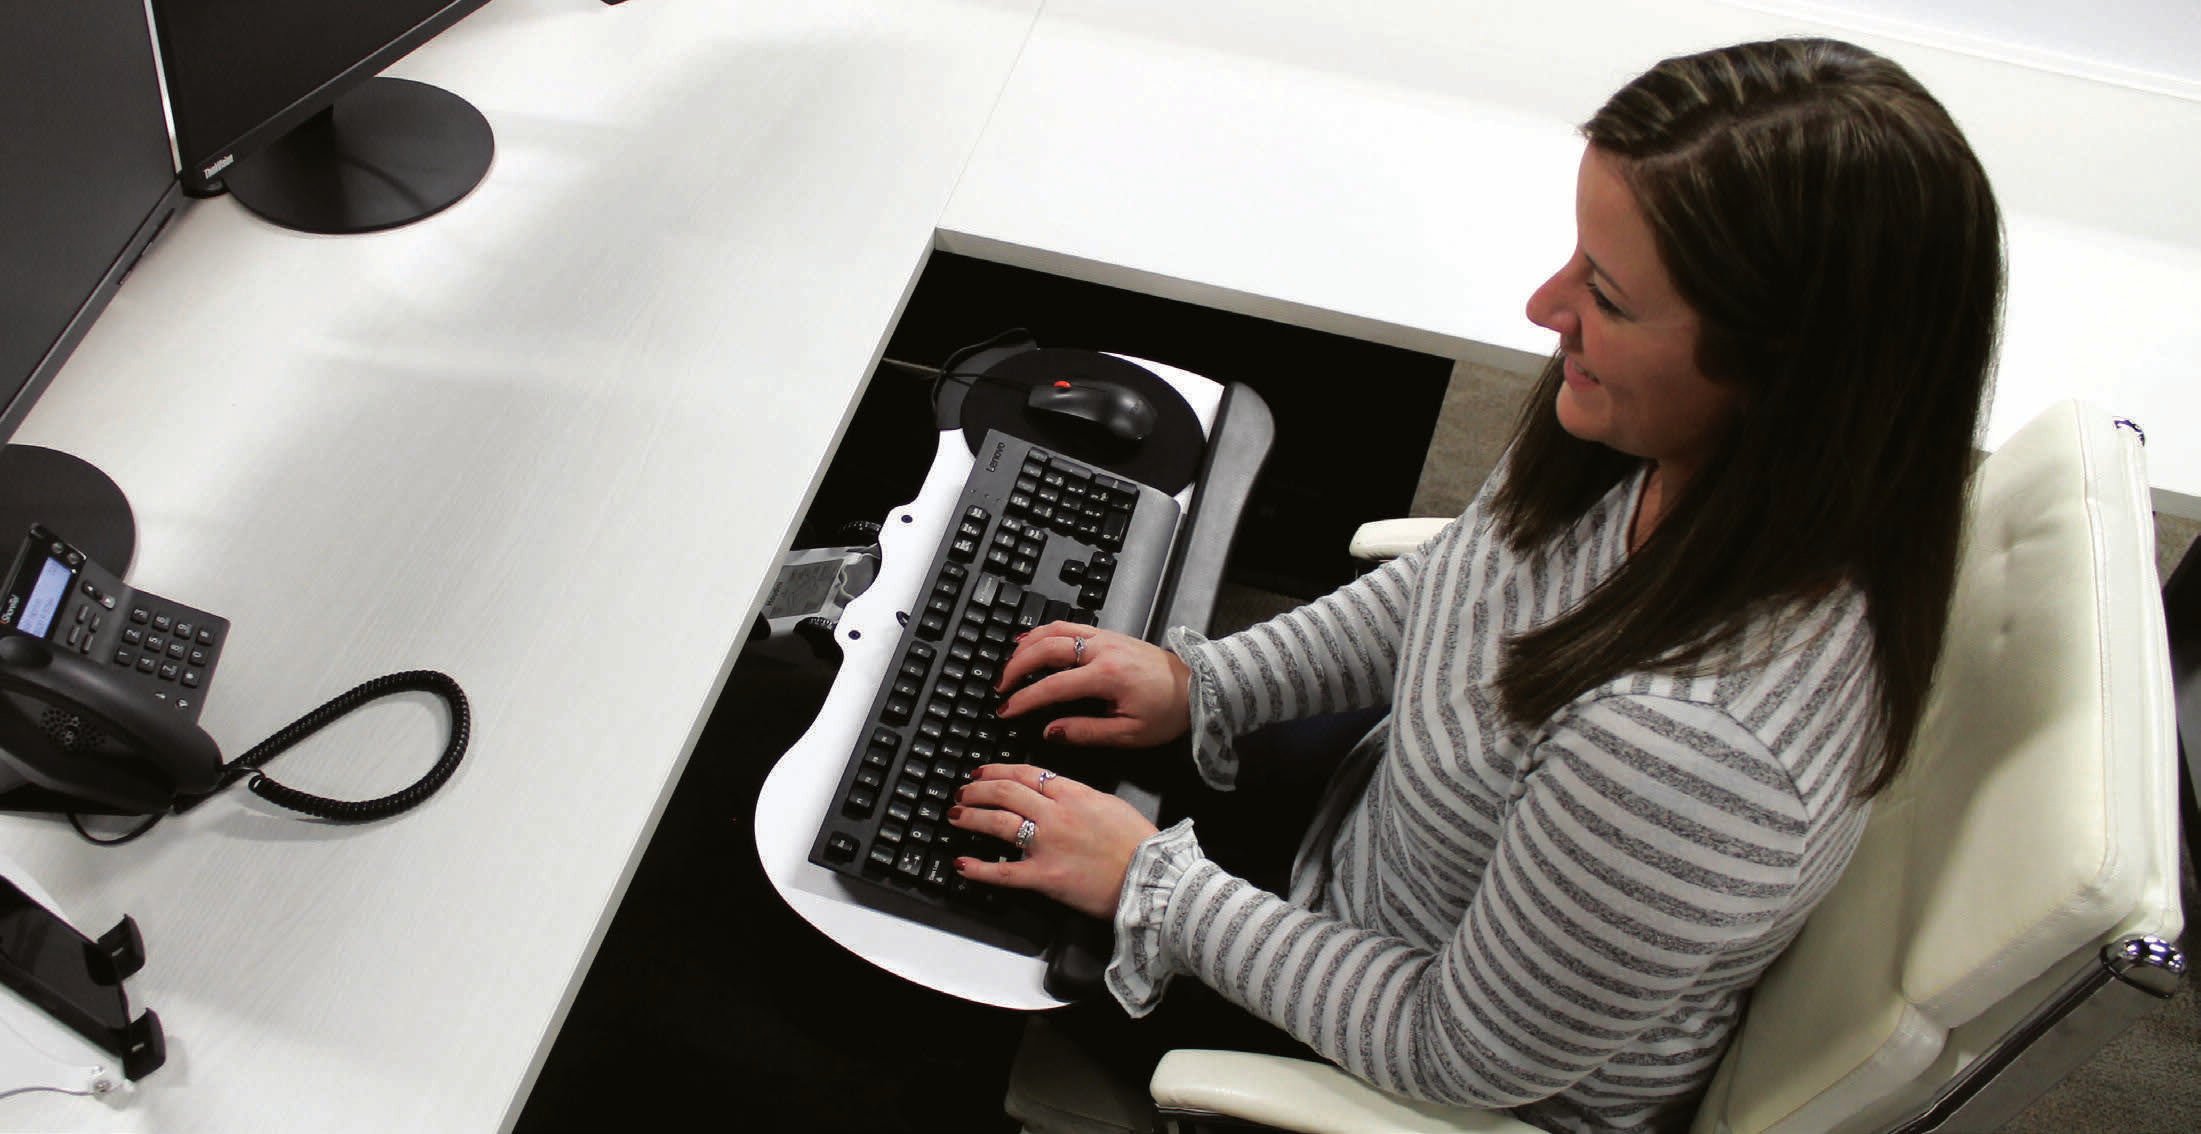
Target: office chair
[{"x": 2012, "y": 904}]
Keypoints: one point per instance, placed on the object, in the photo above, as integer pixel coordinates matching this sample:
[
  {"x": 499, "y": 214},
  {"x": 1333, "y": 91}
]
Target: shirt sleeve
[
  {"x": 1655, "y": 839},
  {"x": 1337, "y": 653}
]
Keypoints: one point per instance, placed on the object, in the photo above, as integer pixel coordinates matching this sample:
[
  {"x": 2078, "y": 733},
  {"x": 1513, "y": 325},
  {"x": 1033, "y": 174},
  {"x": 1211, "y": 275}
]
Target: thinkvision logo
[
  {"x": 226, "y": 161},
  {"x": 7, "y": 617}
]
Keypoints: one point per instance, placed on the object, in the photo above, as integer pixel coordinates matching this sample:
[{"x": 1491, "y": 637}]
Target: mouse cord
[
  {"x": 941, "y": 378},
  {"x": 339, "y": 810}
]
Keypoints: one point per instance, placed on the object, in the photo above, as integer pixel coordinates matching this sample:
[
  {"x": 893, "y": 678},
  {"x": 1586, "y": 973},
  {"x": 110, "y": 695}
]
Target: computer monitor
[
  {"x": 87, "y": 180},
  {"x": 279, "y": 102}
]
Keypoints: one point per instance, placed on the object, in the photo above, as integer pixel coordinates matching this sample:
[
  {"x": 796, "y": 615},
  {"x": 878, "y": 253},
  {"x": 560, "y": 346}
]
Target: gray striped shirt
[{"x": 1562, "y": 919}]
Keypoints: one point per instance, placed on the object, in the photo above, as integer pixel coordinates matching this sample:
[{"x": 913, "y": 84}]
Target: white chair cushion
[
  {"x": 1388, "y": 539},
  {"x": 1306, "y": 1096}
]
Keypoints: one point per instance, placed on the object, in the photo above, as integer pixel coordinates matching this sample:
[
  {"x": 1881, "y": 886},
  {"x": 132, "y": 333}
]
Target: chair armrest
[
  {"x": 1388, "y": 539},
  {"x": 1305, "y": 1096}
]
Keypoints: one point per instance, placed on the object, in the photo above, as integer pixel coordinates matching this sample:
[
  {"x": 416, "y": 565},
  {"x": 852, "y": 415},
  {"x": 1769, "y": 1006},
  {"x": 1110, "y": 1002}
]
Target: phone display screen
[
  {"x": 45, "y": 597},
  {"x": 38, "y": 587}
]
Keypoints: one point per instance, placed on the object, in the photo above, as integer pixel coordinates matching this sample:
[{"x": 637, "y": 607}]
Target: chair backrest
[{"x": 2035, "y": 824}]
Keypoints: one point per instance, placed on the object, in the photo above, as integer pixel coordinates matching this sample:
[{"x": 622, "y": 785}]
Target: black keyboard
[{"x": 1036, "y": 537}]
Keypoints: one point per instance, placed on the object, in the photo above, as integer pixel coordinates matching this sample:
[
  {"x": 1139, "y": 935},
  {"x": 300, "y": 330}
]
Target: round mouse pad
[{"x": 1168, "y": 458}]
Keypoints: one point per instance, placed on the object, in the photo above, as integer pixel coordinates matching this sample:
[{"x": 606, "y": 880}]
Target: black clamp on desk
[{"x": 77, "y": 980}]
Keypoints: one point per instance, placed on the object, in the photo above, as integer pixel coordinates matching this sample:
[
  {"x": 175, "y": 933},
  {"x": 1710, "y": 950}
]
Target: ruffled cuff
[
  {"x": 1139, "y": 970},
  {"x": 1212, "y": 754}
]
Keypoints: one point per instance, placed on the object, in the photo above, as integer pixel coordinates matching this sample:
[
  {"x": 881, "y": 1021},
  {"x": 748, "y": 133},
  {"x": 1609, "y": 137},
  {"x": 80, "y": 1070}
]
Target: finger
[
  {"x": 1038, "y": 651},
  {"x": 1021, "y": 799},
  {"x": 1051, "y": 785},
  {"x": 1013, "y": 873},
  {"x": 1064, "y": 629},
  {"x": 1030, "y": 775},
  {"x": 1096, "y": 732},
  {"x": 1056, "y": 688},
  {"x": 1000, "y": 824}
]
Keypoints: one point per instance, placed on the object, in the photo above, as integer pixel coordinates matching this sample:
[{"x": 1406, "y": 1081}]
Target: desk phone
[
  {"x": 100, "y": 687},
  {"x": 158, "y": 646}
]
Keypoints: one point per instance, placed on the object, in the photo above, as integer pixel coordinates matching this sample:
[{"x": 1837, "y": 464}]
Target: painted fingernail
[
  {"x": 962, "y": 866},
  {"x": 1057, "y": 732},
  {"x": 954, "y": 813}
]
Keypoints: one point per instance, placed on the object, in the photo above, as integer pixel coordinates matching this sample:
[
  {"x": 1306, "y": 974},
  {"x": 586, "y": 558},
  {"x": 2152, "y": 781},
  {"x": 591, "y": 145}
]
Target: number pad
[{"x": 175, "y": 649}]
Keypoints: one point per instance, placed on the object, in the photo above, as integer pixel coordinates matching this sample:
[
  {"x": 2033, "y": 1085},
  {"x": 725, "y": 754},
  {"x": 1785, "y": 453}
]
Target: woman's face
[{"x": 1628, "y": 338}]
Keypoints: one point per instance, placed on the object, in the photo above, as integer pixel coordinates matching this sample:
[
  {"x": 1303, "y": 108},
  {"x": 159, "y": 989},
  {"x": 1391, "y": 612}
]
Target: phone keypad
[
  {"x": 169, "y": 650},
  {"x": 172, "y": 647}
]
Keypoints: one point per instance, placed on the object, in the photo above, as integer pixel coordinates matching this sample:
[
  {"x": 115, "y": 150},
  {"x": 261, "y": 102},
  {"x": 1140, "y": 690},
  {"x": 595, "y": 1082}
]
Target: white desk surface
[
  {"x": 1404, "y": 172},
  {"x": 527, "y": 440},
  {"x": 553, "y": 442}
]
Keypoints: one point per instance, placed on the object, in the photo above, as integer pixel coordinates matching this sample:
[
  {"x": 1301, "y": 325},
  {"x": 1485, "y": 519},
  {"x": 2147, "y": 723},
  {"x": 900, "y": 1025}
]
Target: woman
[{"x": 1639, "y": 694}]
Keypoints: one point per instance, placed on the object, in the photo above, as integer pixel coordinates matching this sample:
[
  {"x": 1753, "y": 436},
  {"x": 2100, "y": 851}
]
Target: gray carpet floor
[{"x": 2146, "y": 1081}]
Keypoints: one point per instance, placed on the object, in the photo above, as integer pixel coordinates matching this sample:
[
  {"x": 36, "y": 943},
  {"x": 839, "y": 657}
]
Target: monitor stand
[
  {"x": 71, "y": 497},
  {"x": 388, "y": 152}
]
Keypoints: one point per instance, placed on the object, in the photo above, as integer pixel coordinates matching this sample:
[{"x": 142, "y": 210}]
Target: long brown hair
[{"x": 1837, "y": 238}]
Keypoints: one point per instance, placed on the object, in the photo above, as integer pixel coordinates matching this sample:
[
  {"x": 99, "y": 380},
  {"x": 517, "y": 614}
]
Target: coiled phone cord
[
  {"x": 321, "y": 807},
  {"x": 365, "y": 810}
]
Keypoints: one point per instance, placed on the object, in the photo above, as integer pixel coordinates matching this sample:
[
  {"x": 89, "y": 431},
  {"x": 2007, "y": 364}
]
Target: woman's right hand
[{"x": 1143, "y": 687}]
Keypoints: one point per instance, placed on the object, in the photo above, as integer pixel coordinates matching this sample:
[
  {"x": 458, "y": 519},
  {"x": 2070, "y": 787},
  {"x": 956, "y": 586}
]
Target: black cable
[
  {"x": 367, "y": 810},
  {"x": 77, "y": 821},
  {"x": 940, "y": 377},
  {"x": 321, "y": 807}
]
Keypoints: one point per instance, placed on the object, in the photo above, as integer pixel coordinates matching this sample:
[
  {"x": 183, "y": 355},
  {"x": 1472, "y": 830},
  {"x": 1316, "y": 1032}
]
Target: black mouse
[{"x": 1123, "y": 412}]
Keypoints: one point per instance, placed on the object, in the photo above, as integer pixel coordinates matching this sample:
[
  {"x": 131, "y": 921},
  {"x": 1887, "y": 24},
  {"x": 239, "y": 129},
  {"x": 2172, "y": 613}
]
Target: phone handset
[{"x": 95, "y": 736}]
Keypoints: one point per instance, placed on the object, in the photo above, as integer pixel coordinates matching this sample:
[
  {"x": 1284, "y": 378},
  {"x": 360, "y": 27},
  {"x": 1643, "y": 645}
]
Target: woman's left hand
[{"x": 1081, "y": 843}]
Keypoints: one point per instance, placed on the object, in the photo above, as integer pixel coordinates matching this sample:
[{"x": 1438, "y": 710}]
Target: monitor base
[
  {"x": 71, "y": 497},
  {"x": 387, "y": 153}
]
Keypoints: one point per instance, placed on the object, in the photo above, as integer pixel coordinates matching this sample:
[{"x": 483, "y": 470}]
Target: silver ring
[
  {"x": 1044, "y": 776},
  {"x": 1077, "y": 650},
  {"x": 1024, "y": 833}
]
